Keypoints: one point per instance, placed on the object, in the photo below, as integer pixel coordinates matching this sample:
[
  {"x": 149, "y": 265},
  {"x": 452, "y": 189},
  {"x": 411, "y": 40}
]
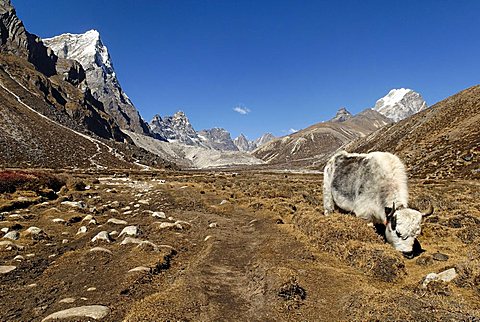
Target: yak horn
[{"x": 428, "y": 212}]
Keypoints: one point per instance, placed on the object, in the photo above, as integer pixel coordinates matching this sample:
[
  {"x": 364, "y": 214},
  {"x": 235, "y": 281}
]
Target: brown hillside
[
  {"x": 308, "y": 146},
  {"x": 440, "y": 142}
]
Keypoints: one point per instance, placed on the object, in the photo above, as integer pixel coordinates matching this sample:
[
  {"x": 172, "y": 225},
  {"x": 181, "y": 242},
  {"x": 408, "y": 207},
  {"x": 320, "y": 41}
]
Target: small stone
[
  {"x": 101, "y": 249},
  {"x": 113, "y": 233},
  {"x": 129, "y": 231},
  {"x": 131, "y": 240},
  {"x": 213, "y": 225},
  {"x": 159, "y": 214},
  {"x": 19, "y": 258},
  {"x": 128, "y": 212},
  {"x": 58, "y": 220},
  {"x": 52, "y": 255},
  {"x": 223, "y": 202},
  {"x": 92, "y": 222},
  {"x": 137, "y": 205},
  {"x": 144, "y": 202},
  {"x": 102, "y": 236},
  {"x": 95, "y": 312},
  {"x": 117, "y": 221},
  {"x": 6, "y": 269},
  {"x": 75, "y": 204},
  {"x": 125, "y": 208},
  {"x": 139, "y": 269},
  {"x": 146, "y": 245},
  {"x": 115, "y": 204},
  {"x": 114, "y": 211},
  {"x": 82, "y": 230},
  {"x": 30, "y": 255},
  {"x": 87, "y": 218},
  {"x": 64, "y": 241},
  {"x": 167, "y": 225},
  {"x": 33, "y": 231},
  {"x": 32, "y": 285},
  {"x": 67, "y": 300},
  {"x": 4, "y": 230},
  {"x": 13, "y": 235},
  {"x": 207, "y": 238},
  {"x": 440, "y": 257},
  {"x": 445, "y": 276},
  {"x": 91, "y": 289}
]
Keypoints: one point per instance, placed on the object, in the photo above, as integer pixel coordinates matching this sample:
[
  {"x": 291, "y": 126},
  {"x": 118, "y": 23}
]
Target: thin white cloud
[
  {"x": 291, "y": 130},
  {"x": 241, "y": 110}
]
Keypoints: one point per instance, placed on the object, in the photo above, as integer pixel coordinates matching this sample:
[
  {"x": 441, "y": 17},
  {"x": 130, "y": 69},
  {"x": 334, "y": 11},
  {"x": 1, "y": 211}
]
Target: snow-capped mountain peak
[
  {"x": 400, "y": 103},
  {"x": 89, "y": 50}
]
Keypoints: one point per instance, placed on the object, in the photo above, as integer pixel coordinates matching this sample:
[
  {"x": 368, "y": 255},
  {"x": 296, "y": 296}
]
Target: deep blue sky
[{"x": 291, "y": 63}]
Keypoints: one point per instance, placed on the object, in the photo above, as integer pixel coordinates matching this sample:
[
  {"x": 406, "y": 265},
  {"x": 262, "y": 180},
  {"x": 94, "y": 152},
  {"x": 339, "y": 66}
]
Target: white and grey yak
[{"x": 373, "y": 186}]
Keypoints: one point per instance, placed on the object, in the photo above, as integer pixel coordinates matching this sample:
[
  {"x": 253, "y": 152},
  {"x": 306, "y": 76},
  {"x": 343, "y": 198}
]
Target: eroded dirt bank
[{"x": 245, "y": 246}]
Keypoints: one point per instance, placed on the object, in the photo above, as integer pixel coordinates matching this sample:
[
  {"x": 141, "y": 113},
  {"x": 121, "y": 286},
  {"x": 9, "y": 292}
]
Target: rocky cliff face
[
  {"x": 176, "y": 128},
  {"x": 243, "y": 144},
  {"x": 16, "y": 40},
  {"x": 89, "y": 50},
  {"x": 265, "y": 138},
  {"x": 400, "y": 103},
  {"x": 218, "y": 139}
]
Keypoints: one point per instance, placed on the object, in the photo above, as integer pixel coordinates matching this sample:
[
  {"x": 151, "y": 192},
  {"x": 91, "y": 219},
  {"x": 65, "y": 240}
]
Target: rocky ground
[{"x": 212, "y": 246}]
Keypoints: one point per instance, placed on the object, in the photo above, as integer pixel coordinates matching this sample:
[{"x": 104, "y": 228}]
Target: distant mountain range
[{"x": 63, "y": 106}]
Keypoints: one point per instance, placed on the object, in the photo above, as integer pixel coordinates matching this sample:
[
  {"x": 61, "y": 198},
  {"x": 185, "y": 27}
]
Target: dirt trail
[{"x": 240, "y": 275}]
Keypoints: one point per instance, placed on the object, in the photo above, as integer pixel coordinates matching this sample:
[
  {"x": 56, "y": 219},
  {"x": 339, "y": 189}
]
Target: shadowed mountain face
[
  {"x": 440, "y": 142},
  {"x": 15, "y": 40},
  {"x": 310, "y": 146}
]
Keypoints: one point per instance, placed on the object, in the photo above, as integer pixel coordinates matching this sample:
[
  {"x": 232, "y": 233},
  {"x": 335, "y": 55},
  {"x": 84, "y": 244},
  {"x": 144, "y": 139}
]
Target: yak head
[{"x": 402, "y": 228}]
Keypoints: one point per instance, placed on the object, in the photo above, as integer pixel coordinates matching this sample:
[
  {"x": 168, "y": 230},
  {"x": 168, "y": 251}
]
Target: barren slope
[{"x": 308, "y": 146}]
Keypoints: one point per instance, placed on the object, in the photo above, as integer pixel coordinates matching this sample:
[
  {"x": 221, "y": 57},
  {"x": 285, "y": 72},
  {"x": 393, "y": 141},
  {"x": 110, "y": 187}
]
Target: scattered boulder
[
  {"x": 82, "y": 230},
  {"x": 445, "y": 276},
  {"x": 159, "y": 214},
  {"x": 139, "y": 269},
  {"x": 213, "y": 225},
  {"x": 35, "y": 232},
  {"x": 101, "y": 249},
  {"x": 96, "y": 312},
  {"x": 6, "y": 269},
  {"x": 117, "y": 221},
  {"x": 440, "y": 257},
  {"x": 67, "y": 300},
  {"x": 75, "y": 204},
  {"x": 129, "y": 231},
  {"x": 102, "y": 236},
  {"x": 13, "y": 235}
]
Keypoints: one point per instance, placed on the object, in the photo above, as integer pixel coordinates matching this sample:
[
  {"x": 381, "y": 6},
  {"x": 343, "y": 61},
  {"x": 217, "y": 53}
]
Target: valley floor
[{"x": 224, "y": 246}]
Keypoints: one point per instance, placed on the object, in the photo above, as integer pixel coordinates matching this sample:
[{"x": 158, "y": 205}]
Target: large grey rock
[{"x": 95, "y": 312}]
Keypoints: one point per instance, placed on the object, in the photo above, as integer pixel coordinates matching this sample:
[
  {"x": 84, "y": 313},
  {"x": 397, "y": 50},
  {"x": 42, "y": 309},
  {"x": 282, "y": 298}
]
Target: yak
[{"x": 373, "y": 186}]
